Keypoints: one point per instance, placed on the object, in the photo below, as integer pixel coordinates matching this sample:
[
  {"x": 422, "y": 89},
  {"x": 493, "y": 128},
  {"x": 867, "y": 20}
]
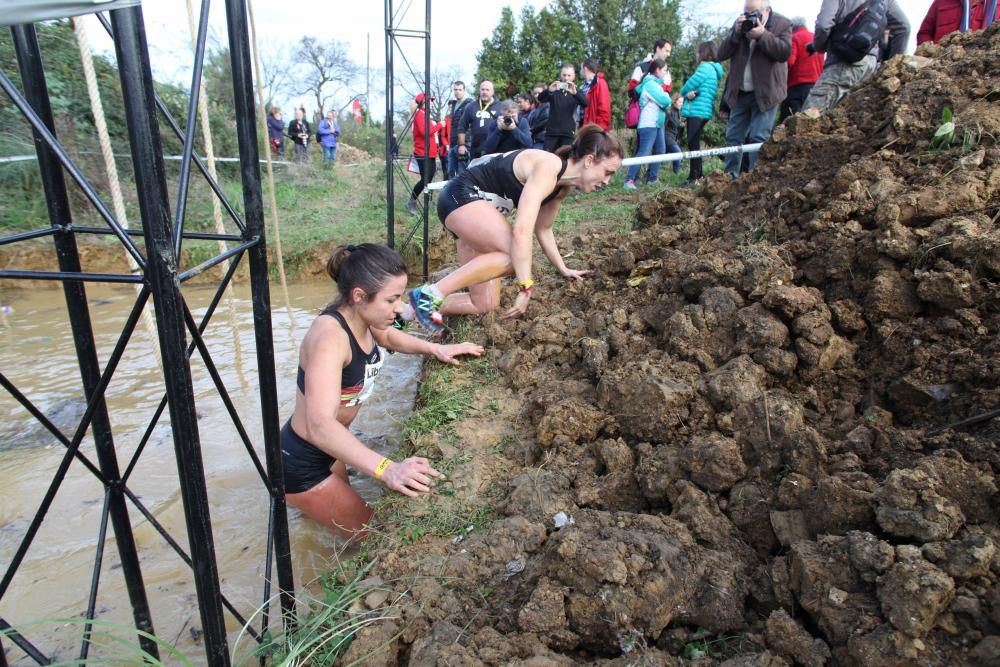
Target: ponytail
[
  {"x": 592, "y": 139},
  {"x": 367, "y": 266}
]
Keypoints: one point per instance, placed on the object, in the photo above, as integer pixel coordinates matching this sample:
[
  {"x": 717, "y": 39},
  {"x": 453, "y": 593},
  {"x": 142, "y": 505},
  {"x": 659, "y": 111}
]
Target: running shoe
[
  {"x": 630, "y": 185},
  {"x": 425, "y": 308}
]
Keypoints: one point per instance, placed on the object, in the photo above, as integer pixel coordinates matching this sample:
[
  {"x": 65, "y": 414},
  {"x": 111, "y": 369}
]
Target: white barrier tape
[
  {"x": 22, "y": 158},
  {"x": 666, "y": 157}
]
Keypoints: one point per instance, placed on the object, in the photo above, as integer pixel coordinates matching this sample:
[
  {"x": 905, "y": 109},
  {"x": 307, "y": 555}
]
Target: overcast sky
[{"x": 458, "y": 28}]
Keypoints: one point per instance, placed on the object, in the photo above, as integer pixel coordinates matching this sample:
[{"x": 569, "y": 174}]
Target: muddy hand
[
  {"x": 520, "y": 306},
  {"x": 574, "y": 274},
  {"x": 411, "y": 476},
  {"x": 447, "y": 353}
]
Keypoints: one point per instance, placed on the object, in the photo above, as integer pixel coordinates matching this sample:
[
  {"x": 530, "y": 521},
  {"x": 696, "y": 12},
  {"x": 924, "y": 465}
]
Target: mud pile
[
  {"x": 348, "y": 154},
  {"x": 733, "y": 412}
]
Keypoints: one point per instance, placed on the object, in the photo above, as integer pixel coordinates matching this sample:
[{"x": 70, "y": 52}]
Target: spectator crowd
[{"x": 777, "y": 67}]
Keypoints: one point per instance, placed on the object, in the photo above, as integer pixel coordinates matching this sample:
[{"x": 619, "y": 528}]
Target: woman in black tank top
[
  {"x": 339, "y": 360},
  {"x": 472, "y": 208}
]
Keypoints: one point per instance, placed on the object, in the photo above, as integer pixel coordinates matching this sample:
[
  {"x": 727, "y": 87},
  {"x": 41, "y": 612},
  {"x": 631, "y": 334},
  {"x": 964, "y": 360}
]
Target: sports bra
[
  {"x": 495, "y": 175},
  {"x": 358, "y": 377}
]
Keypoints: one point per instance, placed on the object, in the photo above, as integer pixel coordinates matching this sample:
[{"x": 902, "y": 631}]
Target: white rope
[
  {"x": 110, "y": 167},
  {"x": 665, "y": 157},
  {"x": 24, "y": 158},
  {"x": 262, "y": 120},
  {"x": 206, "y": 134}
]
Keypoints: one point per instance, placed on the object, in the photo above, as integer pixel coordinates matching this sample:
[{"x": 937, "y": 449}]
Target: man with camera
[
  {"x": 475, "y": 124},
  {"x": 298, "y": 130},
  {"x": 508, "y": 132},
  {"x": 758, "y": 46},
  {"x": 563, "y": 98}
]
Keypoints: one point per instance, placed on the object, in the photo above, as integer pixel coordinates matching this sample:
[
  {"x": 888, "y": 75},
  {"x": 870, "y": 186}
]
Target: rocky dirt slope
[{"x": 735, "y": 411}]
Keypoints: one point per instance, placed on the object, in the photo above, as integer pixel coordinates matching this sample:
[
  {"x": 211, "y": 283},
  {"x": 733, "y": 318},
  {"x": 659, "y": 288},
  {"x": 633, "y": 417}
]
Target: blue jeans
[
  {"x": 456, "y": 167},
  {"x": 747, "y": 123},
  {"x": 330, "y": 153},
  {"x": 650, "y": 143},
  {"x": 673, "y": 148}
]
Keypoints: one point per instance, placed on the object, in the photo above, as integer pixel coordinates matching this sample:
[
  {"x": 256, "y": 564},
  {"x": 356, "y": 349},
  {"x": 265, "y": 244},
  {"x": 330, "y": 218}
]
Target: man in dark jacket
[
  {"x": 539, "y": 117},
  {"x": 508, "y": 132},
  {"x": 298, "y": 130},
  {"x": 462, "y": 101},
  {"x": 758, "y": 45},
  {"x": 475, "y": 124},
  {"x": 563, "y": 98}
]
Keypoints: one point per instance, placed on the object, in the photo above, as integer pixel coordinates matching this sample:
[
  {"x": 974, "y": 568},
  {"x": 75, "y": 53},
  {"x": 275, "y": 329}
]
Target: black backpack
[{"x": 853, "y": 38}]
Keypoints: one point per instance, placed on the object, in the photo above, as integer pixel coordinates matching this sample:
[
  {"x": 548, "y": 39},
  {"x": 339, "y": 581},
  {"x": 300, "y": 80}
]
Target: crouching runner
[{"x": 472, "y": 207}]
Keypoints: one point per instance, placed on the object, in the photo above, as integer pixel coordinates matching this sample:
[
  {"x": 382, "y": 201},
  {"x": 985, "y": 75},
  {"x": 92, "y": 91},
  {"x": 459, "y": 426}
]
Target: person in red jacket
[
  {"x": 425, "y": 150},
  {"x": 444, "y": 139},
  {"x": 946, "y": 16},
  {"x": 598, "y": 111},
  {"x": 804, "y": 69}
]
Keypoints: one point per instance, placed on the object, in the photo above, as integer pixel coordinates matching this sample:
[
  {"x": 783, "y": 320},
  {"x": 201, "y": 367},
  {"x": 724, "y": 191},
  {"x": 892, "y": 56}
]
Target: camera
[
  {"x": 751, "y": 21},
  {"x": 562, "y": 85},
  {"x": 508, "y": 121}
]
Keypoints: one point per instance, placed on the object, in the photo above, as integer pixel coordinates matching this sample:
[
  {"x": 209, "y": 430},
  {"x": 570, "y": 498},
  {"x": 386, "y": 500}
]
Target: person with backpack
[
  {"x": 699, "y": 101},
  {"x": 655, "y": 101},
  {"x": 850, "y": 33},
  {"x": 661, "y": 51}
]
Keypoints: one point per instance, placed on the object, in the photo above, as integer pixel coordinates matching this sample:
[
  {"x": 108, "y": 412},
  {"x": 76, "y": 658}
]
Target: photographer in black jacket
[{"x": 563, "y": 98}]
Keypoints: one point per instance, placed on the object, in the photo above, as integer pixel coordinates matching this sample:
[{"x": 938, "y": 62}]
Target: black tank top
[
  {"x": 496, "y": 176},
  {"x": 358, "y": 377}
]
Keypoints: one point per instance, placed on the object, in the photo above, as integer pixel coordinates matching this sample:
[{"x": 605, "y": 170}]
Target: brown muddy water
[{"x": 37, "y": 354}]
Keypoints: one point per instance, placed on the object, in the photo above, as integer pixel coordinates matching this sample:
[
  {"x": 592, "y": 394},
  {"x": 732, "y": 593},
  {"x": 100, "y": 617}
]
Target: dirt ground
[{"x": 726, "y": 446}]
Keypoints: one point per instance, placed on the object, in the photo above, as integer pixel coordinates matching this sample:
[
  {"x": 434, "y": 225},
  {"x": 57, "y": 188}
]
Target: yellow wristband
[
  {"x": 381, "y": 468},
  {"x": 526, "y": 284}
]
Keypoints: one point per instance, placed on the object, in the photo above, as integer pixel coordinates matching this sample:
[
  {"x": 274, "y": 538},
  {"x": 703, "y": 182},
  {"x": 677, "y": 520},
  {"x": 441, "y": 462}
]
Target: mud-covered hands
[
  {"x": 574, "y": 274},
  {"x": 411, "y": 476},
  {"x": 447, "y": 354}
]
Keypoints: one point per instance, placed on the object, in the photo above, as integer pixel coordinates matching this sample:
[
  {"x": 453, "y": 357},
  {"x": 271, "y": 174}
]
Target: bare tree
[
  {"x": 325, "y": 69},
  {"x": 441, "y": 80},
  {"x": 276, "y": 73}
]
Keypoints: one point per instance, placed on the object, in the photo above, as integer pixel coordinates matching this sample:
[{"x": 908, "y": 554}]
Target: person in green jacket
[
  {"x": 653, "y": 101},
  {"x": 699, "y": 106}
]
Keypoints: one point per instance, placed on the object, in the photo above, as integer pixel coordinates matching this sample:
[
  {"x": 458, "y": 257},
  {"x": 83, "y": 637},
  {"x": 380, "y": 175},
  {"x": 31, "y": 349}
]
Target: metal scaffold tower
[
  {"x": 155, "y": 250},
  {"x": 395, "y": 165}
]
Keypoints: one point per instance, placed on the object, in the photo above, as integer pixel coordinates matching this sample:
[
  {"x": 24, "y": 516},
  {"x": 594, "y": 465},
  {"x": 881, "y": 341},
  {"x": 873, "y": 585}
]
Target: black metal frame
[
  {"x": 161, "y": 280},
  {"x": 393, "y": 170}
]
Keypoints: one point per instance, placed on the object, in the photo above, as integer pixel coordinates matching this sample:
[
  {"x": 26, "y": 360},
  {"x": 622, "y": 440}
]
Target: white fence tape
[
  {"x": 23, "y": 158},
  {"x": 665, "y": 157}
]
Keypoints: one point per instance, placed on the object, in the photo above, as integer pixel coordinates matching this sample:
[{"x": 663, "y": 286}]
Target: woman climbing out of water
[
  {"x": 339, "y": 360},
  {"x": 472, "y": 207}
]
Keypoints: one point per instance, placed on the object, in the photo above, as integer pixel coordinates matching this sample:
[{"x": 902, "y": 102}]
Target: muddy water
[{"x": 37, "y": 354}]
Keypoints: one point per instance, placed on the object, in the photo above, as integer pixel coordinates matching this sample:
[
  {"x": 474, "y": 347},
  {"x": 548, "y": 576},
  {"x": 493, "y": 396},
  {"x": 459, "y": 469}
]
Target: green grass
[{"x": 317, "y": 206}]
